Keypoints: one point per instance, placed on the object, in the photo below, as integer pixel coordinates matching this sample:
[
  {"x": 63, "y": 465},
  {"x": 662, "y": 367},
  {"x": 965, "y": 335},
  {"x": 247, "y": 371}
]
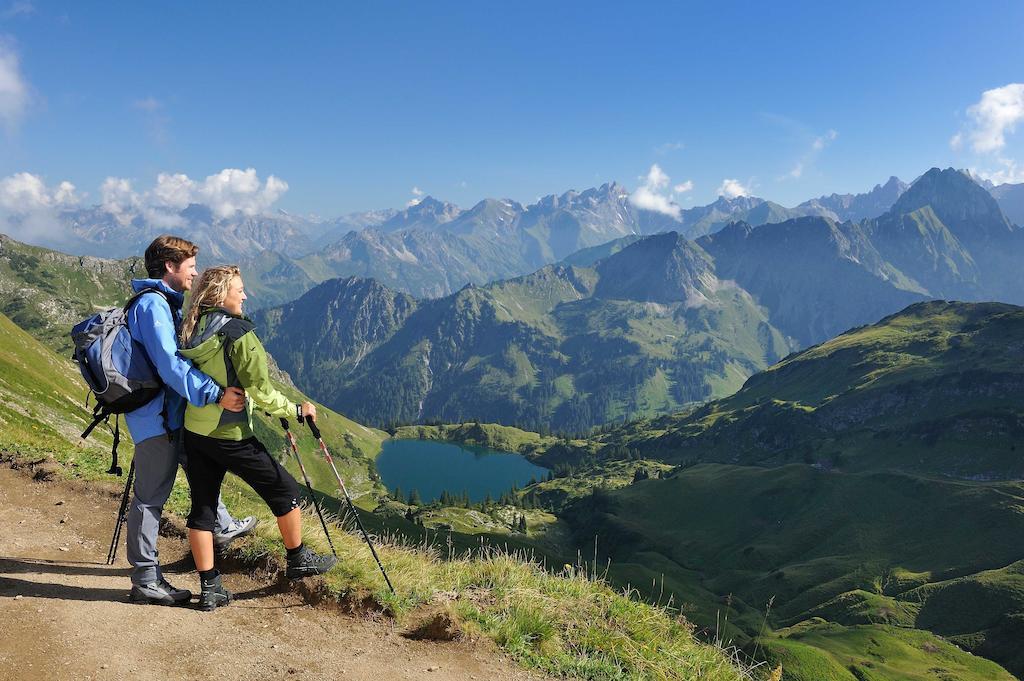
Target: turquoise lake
[{"x": 431, "y": 467}]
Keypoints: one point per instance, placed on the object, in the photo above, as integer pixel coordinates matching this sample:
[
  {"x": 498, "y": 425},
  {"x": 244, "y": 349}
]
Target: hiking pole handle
[{"x": 313, "y": 427}]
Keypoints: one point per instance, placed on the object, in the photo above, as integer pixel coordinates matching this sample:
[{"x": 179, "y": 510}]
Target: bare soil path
[{"x": 64, "y": 614}]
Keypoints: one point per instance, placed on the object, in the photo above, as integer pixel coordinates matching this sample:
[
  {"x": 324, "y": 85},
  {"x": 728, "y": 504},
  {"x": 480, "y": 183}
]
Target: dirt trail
[{"x": 65, "y": 615}]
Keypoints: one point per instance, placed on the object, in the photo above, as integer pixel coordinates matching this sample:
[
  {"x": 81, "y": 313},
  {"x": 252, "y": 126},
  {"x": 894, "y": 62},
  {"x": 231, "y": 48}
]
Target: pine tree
[
  {"x": 397, "y": 494},
  {"x": 414, "y": 498},
  {"x": 522, "y": 524}
]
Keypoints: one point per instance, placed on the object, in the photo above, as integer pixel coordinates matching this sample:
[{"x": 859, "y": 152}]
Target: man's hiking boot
[
  {"x": 237, "y": 528},
  {"x": 306, "y": 564},
  {"x": 159, "y": 593},
  {"x": 213, "y": 595}
]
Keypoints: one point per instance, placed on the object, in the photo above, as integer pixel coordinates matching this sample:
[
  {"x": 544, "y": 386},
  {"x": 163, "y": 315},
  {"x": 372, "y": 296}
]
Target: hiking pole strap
[
  {"x": 114, "y": 468},
  {"x": 97, "y": 416}
]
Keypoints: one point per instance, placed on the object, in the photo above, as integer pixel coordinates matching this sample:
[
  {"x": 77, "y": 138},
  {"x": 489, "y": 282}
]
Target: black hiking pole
[
  {"x": 352, "y": 507},
  {"x": 295, "y": 450},
  {"x": 122, "y": 515}
]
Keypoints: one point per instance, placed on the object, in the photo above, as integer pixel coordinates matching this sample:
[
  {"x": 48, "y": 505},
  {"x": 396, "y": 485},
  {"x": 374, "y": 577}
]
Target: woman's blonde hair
[{"x": 210, "y": 291}]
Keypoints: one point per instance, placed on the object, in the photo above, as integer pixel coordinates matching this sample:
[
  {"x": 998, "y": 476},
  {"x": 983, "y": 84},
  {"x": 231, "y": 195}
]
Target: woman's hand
[{"x": 309, "y": 411}]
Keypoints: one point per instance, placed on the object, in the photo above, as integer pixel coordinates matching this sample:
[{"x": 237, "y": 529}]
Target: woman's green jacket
[{"x": 225, "y": 347}]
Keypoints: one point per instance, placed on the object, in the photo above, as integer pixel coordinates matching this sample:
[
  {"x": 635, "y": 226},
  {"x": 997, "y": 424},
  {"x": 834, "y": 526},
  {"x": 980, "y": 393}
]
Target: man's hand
[
  {"x": 233, "y": 399},
  {"x": 309, "y": 411}
]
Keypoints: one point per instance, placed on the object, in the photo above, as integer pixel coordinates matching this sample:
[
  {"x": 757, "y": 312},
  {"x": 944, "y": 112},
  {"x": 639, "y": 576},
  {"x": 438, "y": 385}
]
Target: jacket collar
[{"x": 177, "y": 299}]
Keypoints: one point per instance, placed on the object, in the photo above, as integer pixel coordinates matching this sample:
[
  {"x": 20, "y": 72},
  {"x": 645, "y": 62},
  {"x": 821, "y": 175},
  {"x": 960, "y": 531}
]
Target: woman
[{"x": 222, "y": 343}]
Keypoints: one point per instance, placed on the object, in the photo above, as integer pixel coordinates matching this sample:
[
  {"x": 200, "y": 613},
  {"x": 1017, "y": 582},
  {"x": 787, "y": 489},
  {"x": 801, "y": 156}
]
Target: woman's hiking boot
[
  {"x": 160, "y": 592},
  {"x": 213, "y": 594},
  {"x": 305, "y": 563}
]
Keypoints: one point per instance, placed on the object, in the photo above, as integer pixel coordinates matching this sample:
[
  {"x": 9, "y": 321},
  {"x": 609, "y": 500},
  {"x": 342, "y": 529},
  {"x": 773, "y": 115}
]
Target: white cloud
[
  {"x": 651, "y": 194},
  {"x": 226, "y": 193},
  {"x": 175, "y": 191},
  {"x": 29, "y": 208},
  {"x": 732, "y": 189},
  {"x": 18, "y": 8},
  {"x": 818, "y": 144},
  {"x": 118, "y": 199},
  {"x": 669, "y": 147},
  {"x": 1010, "y": 172},
  {"x": 683, "y": 187},
  {"x": 992, "y": 117},
  {"x": 14, "y": 90},
  {"x": 417, "y": 196},
  {"x": 233, "y": 190},
  {"x": 24, "y": 193},
  {"x": 823, "y": 141}
]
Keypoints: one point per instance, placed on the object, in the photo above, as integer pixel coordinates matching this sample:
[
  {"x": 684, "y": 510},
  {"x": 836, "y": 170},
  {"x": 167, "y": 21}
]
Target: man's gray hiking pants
[{"x": 156, "y": 465}]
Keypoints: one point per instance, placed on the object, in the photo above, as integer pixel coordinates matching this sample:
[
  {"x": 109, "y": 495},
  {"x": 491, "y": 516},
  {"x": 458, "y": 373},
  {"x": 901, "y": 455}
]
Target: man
[{"x": 153, "y": 322}]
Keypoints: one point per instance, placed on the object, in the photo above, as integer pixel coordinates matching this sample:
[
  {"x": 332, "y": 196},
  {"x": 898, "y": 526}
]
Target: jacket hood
[{"x": 215, "y": 325}]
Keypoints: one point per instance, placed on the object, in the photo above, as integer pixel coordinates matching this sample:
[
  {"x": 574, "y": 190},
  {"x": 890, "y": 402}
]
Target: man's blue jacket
[{"x": 153, "y": 324}]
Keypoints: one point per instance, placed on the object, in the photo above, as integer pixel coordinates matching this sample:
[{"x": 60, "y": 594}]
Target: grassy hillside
[
  {"x": 820, "y": 651},
  {"x": 858, "y": 549},
  {"x": 47, "y": 292},
  {"x": 565, "y": 623},
  {"x": 937, "y": 388}
]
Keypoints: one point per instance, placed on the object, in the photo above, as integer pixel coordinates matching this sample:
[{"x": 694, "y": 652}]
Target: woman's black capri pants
[{"x": 210, "y": 458}]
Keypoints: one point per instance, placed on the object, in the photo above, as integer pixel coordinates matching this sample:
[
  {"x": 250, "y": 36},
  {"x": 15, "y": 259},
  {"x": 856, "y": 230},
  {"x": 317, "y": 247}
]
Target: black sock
[
  {"x": 208, "y": 575},
  {"x": 293, "y": 552}
]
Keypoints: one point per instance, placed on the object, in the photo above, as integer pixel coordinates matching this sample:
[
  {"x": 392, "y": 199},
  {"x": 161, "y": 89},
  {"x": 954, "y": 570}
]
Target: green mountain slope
[
  {"x": 47, "y": 292},
  {"x": 646, "y": 331},
  {"x": 937, "y": 388},
  {"x": 881, "y": 489}
]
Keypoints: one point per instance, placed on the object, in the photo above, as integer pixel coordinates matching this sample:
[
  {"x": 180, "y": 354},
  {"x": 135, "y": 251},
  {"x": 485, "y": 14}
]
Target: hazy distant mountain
[
  {"x": 701, "y": 220},
  {"x": 330, "y": 231},
  {"x": 945, "y": 237},
  {"x": 1011, "y": 200},
  {"x": 857, "y": 207},
  {"x": 231, "y": 239},
  {"x": 427, "y": 213},
  {"x": 433, "y": 248}
]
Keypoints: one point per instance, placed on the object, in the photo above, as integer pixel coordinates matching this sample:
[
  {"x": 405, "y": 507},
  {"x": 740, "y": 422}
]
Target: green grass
[
  {"x": 934, "y": 389},
  {"x": 563, "y": 622},
  {"x": 818, "y": 650}
]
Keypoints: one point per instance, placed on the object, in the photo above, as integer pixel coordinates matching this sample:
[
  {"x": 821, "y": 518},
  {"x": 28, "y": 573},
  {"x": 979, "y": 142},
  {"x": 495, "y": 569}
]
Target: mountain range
[
  {"x": 660, "y": 323},
  {"x": 433, "y": 248}
]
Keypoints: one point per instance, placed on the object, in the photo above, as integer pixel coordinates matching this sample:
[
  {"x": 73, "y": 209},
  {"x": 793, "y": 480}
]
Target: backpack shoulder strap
[
  {"x": 162, "y": 294},
  {"x": 139, "y": 294}
]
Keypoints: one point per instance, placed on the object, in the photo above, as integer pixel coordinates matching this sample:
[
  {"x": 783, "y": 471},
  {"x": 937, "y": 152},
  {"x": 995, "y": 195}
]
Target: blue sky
[{"x": 354, "y": 105}]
